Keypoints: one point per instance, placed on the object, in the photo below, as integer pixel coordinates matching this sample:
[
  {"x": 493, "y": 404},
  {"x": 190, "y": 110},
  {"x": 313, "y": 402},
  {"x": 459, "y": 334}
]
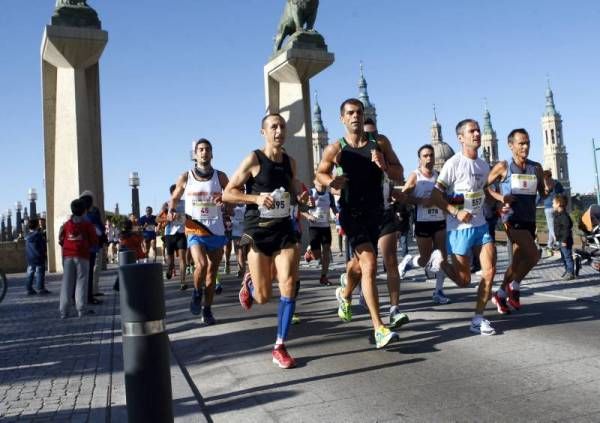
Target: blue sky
[{"x": 176, "y": 71}]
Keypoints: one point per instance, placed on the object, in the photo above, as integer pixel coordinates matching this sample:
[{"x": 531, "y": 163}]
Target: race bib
[
  {"x": 523, "y": 184},
  {"x": 473, "y": 202},
  {"x": 281, "y": 207},
  {"x": 322, "y": 215},
  {"x": 205, "y": 212},
  {"x": 150, "y": 228},
  {"x": 430, "y": 214}
]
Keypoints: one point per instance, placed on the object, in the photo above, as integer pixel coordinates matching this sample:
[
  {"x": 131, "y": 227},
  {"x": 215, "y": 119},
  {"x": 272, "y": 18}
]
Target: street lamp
[
  {"x": 2, "y": 229},
  {"x": 19, "y": 218},
  {"x": 32, "y": 197},
  {"x": 596, "y": 169},
  {"x": 134, "y": 183},
  {"x": 9, "y": 234}
]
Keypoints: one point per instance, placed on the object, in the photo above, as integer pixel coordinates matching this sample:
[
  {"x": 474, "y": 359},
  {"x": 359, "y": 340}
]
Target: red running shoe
[
  {"x": 500, "y": 304},
  {"x": 308, "y": 256},
  {"x": 514, "y": 297},
  {"x": 245, "y": 295},
  {"x": 324, "y": 281},
  {"x": 282, "y": 358}
]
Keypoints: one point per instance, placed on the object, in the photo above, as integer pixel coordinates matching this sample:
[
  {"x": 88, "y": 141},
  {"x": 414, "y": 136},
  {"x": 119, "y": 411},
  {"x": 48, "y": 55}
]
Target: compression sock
[
  {"x": 284, "y": 318},
  {"x": 439, "y": 281}
]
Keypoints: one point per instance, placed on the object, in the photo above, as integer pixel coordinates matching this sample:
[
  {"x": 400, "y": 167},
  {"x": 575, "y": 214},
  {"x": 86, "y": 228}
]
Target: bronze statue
[
  {"x": 296, "y": 14},
  {"x": 70, "y": 3},
  {"x": 75, "y": 13}
]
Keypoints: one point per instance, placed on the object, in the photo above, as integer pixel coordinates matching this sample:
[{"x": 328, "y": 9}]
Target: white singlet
[
  {"x": 423, "y": 189},
  {"x": 321, "y": 209},
  {"x": 237, "y": 221},
  {"x": 200, "y": 202}
]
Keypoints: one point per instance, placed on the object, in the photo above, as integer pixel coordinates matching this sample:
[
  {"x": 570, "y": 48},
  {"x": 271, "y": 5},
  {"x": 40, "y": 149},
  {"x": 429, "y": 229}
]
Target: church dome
[{"x": 442, "y": 153}]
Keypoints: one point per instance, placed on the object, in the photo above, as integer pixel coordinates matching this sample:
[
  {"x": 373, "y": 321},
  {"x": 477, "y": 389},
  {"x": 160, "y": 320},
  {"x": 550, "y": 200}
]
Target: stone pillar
[
  {"x": 287, "y": 91},
  {"x": 72, "y": 139}
]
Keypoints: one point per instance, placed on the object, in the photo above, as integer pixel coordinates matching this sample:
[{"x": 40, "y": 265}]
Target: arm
[
  {"x": 233, "y": 191},
  {"x": 541, "y": 188},
  {"x": 438, "y": 198},
  {"x": 227, "y": 207},
  {"x": 299, "y": 191},
  {"x": 178, "y": 192},
  {"x": 498, "y": 173},
  {"x": 392, "y": 166},
  {"x": 332, "y": 205},
  {"x": 325, "y": 169},
  {"x": 408, "y": 189}
]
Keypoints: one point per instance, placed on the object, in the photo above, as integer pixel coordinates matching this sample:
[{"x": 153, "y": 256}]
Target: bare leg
[{"x": 388, "y": 244}]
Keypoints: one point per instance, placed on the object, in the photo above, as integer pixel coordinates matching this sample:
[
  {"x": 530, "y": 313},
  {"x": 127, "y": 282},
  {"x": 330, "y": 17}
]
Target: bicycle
[{"x": 3, "y": 285}]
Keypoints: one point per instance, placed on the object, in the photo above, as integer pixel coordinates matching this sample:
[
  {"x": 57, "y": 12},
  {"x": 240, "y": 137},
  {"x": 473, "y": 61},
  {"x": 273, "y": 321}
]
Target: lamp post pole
[
  {"x": 32, "y": 197},
  {"x": 19, "y": 218},
  {"x": 9, "y": 233},
  {"x": 134, "y": 183}
]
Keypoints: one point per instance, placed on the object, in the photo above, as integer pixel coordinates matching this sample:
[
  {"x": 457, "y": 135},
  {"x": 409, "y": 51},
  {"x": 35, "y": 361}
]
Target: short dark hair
[
  {"x": 33, "y": 224},
  {"x": 561, "y": 199},
  {"x": 267, "y": 116},
  {"x": 511, "y": 135},
  {"x": 353, "y": 101},
  {"x": 127, "y": 226},
  {"x": 78, "y": 207},
  {"x": 202, "y": 141},
  {"x": 87, "y": 201},
  {"x": 460, "y": 125},
  {"x": 172, "y": 188},
  {"x": 369, "y": 121},
  {"x": 425, "y": 147}
]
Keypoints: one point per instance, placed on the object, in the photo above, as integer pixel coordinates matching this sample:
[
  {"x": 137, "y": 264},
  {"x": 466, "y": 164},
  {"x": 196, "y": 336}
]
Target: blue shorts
[
  {"x": 210, "y": 243},
  {"x": 149, "y": 235},
  {"x": 460, "y": 242}
]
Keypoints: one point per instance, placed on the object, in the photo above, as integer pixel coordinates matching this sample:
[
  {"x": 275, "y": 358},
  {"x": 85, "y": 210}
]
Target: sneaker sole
[
  {"x": 478, "y": 332},
  {"x": 441, "y": 302},
  {"x": 495, "y": 302},
  {"x": 399, "y": 323},
  {"x": 281, "y": 366},
  {"x": 393, "y": 337}
]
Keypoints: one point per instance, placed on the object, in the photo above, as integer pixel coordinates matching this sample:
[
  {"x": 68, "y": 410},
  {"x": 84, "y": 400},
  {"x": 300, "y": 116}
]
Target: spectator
[
  {"x": 77, "y": 237},
  {"x": 35, "y": 250},
  {"x": 130, "y": 241},
  {"x": 93, "y": 216},
  {"x": 563, "y": 229},
  {"x": 551, "y": 188}
]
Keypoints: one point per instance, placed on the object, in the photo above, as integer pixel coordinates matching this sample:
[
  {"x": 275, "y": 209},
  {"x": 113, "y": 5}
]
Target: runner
[
  {"x": 361, "y": 161},
  {"x": 269, "y": 177},
  {"x": 520, "y": 181},
  {"x": 176, "y": 241},
  {"x": 319, "y": 229},
  {"x": 430, "y": 225},
  {"x": 388, "y": 242},
  {"x": 202, "y": 189},
  {"x": 463, "y": 180},
  {"x": 237, "y": 230},
  {"x": 148, "y": 225}
]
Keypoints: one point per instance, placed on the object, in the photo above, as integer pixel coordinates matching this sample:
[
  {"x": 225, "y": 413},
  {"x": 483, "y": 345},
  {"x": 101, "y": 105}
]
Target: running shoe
[
  {"x": 405, "y": 265},
  {"x": 397, "y": 319},
  {"x": 324, "y": 281},
  {"x": 282, "y": 358},
  {"x": 218, "y": 286},
  {"x": 44, "y": 291},
  {"x": 344, "y": 306},
  {"x": 196, "y": 303},
  {"x": 433, "y": 265},
  {"x": 169, "y": 274},
  {"x": 207, "y": 317},
  {"x": 182, "y": 287},
  {"x": 245, "y": 295},
  {"x": 308, "y": 256},
  {"x": 438, "y": 297},
  {"x": 384, "y": 336},
  {"x": 240, "y": 273},
  {"x": 483, "y": 328},
  {"x": 343, "y": 278},
  {"x": 500, "y": 304},
  {"x": 514, "y": 297},
  {"x": 295, "y": 319},
  {"x": 568, "y": 277}
]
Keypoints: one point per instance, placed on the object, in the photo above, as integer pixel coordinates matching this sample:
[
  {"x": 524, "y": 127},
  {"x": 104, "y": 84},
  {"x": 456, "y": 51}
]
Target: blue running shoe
[{"x": 196, "y": 303}]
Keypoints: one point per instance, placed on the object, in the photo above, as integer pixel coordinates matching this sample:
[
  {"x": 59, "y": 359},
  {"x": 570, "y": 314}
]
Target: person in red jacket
[{"x": 76, "y": 237}]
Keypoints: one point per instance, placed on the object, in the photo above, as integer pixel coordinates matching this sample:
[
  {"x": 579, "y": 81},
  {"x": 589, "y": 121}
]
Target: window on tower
[
  {"x": 553, "y": 139},
  {"x": 546, "y": 134}
]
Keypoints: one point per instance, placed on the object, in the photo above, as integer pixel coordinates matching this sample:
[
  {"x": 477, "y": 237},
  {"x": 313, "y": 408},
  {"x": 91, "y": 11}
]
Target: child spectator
[
  {"x": 563, "y": 231},
  {"x": 130, "y": 241},
  {"x": 77, "y": 236},
  {"x": 35, "y": 250}
]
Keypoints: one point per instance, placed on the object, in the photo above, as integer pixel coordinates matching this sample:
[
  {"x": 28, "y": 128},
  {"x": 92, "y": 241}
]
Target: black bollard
[
  {"x": 126, "y": 257},
  {"x": 146, "y": 361}
]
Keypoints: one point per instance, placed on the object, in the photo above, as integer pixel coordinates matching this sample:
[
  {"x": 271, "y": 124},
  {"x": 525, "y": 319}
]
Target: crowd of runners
[{"x": 257, "y": 213}]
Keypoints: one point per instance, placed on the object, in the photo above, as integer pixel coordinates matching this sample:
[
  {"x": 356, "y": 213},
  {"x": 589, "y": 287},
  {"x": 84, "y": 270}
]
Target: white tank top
[
  {"x": 200, "y": 202},
  {"x": 321, "y": 209},
  {"x": 423, "y": 189},
  {"x": 237, "y": 221}
]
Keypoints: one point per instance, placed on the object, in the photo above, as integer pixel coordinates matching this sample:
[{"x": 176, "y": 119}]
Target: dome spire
[
  {"x": 550, "y": 108},
  {"x": 363, "y": 96},
  {"x": 317, "y": 122}
]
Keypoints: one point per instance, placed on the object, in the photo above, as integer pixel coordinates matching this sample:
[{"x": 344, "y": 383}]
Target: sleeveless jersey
[
  {"x": 271, "y": 176},
  {"x": 200, "y": 202},
  {"x": 363, "y": 190},
  {"x": 177, "y": 225},
  {"x": 321, "y": 209},
  {"x": 521, "y": 183},
  {"x": 423, "y": 189},
  {"x": 237, "y": 221}
]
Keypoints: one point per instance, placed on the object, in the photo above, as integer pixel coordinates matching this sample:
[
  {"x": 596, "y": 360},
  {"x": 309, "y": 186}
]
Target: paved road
[{"x": 543, "y": 366}]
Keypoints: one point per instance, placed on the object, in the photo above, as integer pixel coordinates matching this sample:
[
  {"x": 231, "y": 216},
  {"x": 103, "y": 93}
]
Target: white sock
[
  {"x": 439, "y": 281},
  {"x": 394, "y": 309},
  {"x": 515, "y": 285},
  {"x": 415, "y": 261},
  {"x": 501, "y": 293},
  {"x": 477, "y": 318}
]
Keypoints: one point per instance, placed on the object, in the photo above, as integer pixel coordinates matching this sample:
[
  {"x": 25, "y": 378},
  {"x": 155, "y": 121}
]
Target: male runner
[
  {"x": 237, "y": 230},
  {"x": 463, "y": 180},
  {"x": 269, "y": 177},
  {"x": 148, "y": 225},
  {"x": 430, "y": 224},
  {"x": 520, "y": 181},
  {"x": 176, "y": 241},
  {"x": 362, "y": 161},
  {"x": 202, "y": 190},
  {"x": 319, "y": 229},
  {"x": 388, "y": 241}
]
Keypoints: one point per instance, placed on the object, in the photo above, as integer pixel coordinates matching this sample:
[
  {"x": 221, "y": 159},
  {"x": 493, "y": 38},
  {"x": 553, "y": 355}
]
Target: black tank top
[
  {"x": 271, "y": 176},
  {"x": 363, "y": 190}
]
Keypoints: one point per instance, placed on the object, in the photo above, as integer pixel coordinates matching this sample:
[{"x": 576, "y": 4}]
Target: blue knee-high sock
[{"x": 284, "y": 316}]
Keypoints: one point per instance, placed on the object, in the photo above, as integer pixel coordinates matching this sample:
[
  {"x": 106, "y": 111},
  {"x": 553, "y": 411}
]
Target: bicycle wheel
[{"x": 3, "y": 285}]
